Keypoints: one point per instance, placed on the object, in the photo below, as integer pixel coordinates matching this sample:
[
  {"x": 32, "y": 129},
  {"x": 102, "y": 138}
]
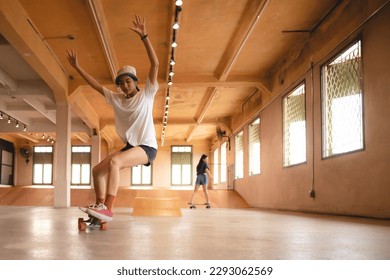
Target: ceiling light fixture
[
  {"x": 172, "y": 62},
  {"x": 10, "y": 119},
  {"x": 176, "y": 25}
]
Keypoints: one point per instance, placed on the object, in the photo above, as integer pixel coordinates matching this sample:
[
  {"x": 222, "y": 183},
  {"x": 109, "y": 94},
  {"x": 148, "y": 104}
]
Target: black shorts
[{"x": 150, "y": 152}]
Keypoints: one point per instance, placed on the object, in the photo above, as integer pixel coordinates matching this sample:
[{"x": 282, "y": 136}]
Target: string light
[
  {"x": 11, "y": 119},
  {"x": 172, "y": 62}
]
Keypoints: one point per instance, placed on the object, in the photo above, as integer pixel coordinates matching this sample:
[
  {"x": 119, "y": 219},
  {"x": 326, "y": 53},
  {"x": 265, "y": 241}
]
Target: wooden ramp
[{"x": 156, "y": 206}]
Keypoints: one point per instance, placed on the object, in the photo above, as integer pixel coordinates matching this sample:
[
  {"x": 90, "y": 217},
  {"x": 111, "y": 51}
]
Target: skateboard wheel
[
  {"x": 103, "y": 226},
  {"x": 82, "y": 225}
]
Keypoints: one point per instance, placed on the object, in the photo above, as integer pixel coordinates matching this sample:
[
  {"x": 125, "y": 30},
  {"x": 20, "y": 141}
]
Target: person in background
[{"x": 202, "y": 174}]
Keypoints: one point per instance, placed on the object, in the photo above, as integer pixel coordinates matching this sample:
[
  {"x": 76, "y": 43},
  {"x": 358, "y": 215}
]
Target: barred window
[
  {"x": 294, "y": 127},
  {"x": 141, "y": 175},
  {"x": 254, "y": 147},
  {"x": 43, "y": 165},
  {"x": 239, "y": 155},
  {"x": 216, "y": 167},
  {"x": 81, "y": 165},
  {"x": 223, "y": 162},
  {"x": 342, "y": 98},
  {"x": 181, "y": 161}
]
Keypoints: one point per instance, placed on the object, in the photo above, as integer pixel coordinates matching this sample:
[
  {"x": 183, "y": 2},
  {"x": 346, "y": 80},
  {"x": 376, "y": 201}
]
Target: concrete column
[{"x": 63, "y": 157}]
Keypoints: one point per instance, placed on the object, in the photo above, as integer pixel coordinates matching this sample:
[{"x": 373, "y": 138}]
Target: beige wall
[{"x": 354, "y": 184}]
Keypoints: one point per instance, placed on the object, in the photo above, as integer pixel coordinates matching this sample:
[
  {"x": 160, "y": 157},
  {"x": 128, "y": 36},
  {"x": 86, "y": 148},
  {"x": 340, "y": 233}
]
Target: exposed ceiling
[{"x": 228, "y": 51}]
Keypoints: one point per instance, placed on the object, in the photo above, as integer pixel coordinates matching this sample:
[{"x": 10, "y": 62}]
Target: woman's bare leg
[
  {"x": 206, "y": 193},
  {"x": 100, "y": 176},
  {"x": 193, "y": 194},
  {"x": 132, "y": 157}
]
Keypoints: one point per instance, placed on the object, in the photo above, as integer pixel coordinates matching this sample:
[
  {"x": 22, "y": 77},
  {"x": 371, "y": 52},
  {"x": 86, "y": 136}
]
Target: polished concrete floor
[{"x": 45, "y": 233}]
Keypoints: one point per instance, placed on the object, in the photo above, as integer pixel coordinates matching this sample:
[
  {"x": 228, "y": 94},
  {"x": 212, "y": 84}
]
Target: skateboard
[
  {"x": 91, "y": 223},
  {"x": 193, "y": 205}
]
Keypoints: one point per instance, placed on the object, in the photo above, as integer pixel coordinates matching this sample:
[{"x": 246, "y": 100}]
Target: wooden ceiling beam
[
  {"x": 249, "y": 18},
  {"x": 19, "y": 30},
  {"x": 204, "y": 106},
  {"x": 99, "y": 19}
]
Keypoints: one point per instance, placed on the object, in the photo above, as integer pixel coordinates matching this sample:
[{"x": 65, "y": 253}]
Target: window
[
  {"x": 141, "y": 175},
  {"x": 43, "y": 165},
  {"x": 239, "y": 155},
  {"x": 342, "y": 98},
  {"x": 7, "y": 152},
  {"x": 223, "y": 162},
  {"x": 181, "y": 160},
  {"x": 81, "y": 165},
  {"x": 294, "y": 127},
  {"x": 254, "y": 147},
  {"x": 216, "y": 167}
]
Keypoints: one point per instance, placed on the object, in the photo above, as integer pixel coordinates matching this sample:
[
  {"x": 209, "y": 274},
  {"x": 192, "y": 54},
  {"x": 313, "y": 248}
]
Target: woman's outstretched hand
[
  {"x": 139, "y": 26},
  {"x": 72, "y": 58}
]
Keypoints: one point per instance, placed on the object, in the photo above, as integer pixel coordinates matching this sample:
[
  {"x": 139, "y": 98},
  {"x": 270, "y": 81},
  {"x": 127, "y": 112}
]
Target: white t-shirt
[{"x": 134, "y": 116}]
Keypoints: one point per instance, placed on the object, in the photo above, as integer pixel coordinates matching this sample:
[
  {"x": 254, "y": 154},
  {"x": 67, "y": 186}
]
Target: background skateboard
[{"x": 193, "y": 205}]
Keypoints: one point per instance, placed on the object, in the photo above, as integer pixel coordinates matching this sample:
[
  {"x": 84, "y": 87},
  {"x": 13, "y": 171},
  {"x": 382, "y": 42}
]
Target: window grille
[
  {"x": 239, "y": 155},
  {"x": 216, "y": 167},
  {"x": 81, "y": 165},
  {"x": 141, "y": 175},
  {"x": 294, "y": 127},
  {"x": 43, "y": 165},
  {"x": 181, "y": 161},
  {"x": 342, "y": 98},
  {"x": 223, "y": 162},
  {"x": 254, "y": 147}
]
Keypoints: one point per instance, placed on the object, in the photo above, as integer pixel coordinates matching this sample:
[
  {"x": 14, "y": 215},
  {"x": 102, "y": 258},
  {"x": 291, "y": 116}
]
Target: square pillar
[{"x": 63, "y": 157}]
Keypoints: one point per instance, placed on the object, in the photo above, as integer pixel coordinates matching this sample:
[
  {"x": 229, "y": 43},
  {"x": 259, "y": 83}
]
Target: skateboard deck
[
  {"x": 91, "y": 223},
  {"x": 193, "y": 205}
]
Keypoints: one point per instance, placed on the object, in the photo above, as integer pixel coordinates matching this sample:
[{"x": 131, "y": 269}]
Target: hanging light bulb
[
  {"x": 9, "y": 120},
  {"x": 179, "y": 2},
  {"x": 176, "y": 25},
  {"x": 17, "y": 124}
]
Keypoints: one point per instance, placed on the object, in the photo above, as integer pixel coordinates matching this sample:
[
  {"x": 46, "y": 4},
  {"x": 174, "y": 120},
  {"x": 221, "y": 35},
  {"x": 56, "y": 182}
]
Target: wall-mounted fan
[
  {"x": 26, "y": 152},
  {"x": 222, "y": 134}
]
